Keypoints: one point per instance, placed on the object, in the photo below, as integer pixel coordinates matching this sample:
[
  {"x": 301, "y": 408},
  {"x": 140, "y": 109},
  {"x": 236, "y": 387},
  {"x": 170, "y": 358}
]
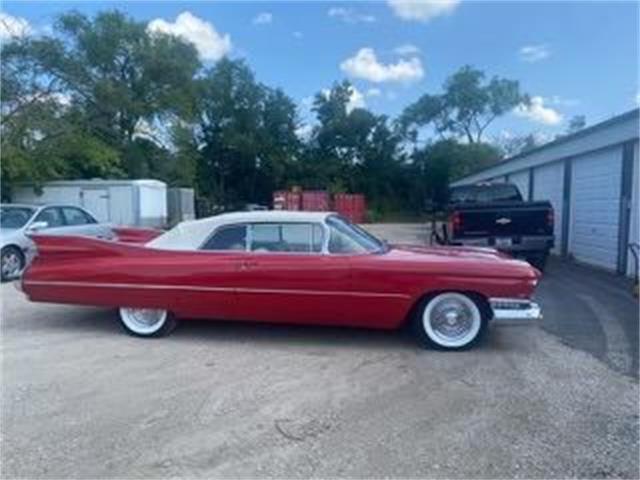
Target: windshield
[
  {"x": 15, "y": 217},
  {"x": 346, "y": 237},
  {"x": 485, "y": 193}
]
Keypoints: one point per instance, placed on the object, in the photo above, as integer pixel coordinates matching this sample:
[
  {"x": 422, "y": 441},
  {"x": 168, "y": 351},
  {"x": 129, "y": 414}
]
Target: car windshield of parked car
[
  {"x": 485, "y": 193},
  {"x": 15, "y": 217},
  {"x": 345, "y": 237}
]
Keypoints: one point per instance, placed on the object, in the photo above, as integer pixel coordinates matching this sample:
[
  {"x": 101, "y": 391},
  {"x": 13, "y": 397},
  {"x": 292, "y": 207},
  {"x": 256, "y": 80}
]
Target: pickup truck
[{"x": 495, "y": 215}]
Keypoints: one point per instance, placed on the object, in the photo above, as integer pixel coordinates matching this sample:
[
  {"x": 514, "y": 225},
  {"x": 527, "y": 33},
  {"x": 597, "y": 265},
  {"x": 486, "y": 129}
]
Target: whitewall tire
[
  {"x": 146, "y": 322},
  {"x": 450, "y": 321}
]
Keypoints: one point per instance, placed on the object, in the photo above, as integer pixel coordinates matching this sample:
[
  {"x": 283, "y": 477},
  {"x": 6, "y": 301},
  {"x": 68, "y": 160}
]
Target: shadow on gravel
[
  {"x": 292, "y": 335},
  {"x": 593, "y": 311}
]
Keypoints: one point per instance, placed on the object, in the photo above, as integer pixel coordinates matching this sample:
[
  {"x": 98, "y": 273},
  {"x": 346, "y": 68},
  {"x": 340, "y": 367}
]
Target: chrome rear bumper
[{"x": 515, "y": 309}]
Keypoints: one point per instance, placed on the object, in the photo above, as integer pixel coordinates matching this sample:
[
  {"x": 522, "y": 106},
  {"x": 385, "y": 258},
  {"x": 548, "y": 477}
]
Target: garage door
[
  {"x": 595, "y": 208},
  {"x": 634, "y": 227},
  {"x": 521, "y": 180},
  {"x": 548, "y": 182}
]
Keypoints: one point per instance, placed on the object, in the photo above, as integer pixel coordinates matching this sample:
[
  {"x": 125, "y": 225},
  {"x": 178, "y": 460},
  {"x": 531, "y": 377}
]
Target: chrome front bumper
[{"x": 515, "y": 309}]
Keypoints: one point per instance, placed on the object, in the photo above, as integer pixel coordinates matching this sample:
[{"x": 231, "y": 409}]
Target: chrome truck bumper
[{"x": 515, "y": 309}]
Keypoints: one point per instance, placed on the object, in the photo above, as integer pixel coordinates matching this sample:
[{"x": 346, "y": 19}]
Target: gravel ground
[{"x": 80, "y": 399}]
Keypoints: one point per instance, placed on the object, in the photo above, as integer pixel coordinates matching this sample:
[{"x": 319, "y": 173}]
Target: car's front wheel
[
  {"x": 11, "y": 262},
  {"x": 147, "y": 322},
  {"x": 450, "y": 321}
]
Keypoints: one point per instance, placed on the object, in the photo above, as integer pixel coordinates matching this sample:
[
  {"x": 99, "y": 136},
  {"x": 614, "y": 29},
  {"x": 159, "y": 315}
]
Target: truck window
[{"x": 496, "y": 192}]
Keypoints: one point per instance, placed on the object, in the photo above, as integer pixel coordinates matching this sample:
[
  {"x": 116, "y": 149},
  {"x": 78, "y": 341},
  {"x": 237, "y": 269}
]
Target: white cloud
[
  {"x": 364, "y": 64},
  {"x": 406, "y": 49},
  {"x": 561, "y": 101},
  {"x": 356, "y": 100},
  {"x": 374, "y": 92},
  {"x": 13, "y": 27},
  {"x": 422, "y": 10},
  {"x": 263, "y": 18},
  {"x": 349, "y": 15},
  {"x": 638, "y": 98},
  {"x": 536, "y": 111},
  {"x": 209, "y": 43},
  {"x": 534, "y": 53}
]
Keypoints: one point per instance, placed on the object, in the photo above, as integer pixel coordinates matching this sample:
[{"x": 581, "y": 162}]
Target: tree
[
  {"x": 518, "y": 144},
  {"x": 117, "y": 74},
  {"x": 466, "y": 108},
  {"x": 578, "y": 122},
  {"x": 43, "y": 134},
  {"x": 445, "y": 161},
  {"x": 247, "y": 135}
]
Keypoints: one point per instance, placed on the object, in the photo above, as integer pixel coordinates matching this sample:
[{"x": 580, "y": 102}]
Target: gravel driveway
[{"x": 557, "y": 398}]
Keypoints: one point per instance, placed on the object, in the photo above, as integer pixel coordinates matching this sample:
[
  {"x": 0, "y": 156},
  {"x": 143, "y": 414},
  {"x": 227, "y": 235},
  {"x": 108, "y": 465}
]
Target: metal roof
[{"x": 585, "y": 132}]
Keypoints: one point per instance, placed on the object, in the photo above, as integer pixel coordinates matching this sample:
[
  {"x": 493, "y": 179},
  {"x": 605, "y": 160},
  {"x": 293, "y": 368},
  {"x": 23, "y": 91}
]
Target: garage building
[{"x": 591, "y": 179}]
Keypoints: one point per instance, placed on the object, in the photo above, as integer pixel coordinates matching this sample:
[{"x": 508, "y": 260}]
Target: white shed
[
  {"x": 122, "y": 202},
  {"x": 591, "y": 179}
]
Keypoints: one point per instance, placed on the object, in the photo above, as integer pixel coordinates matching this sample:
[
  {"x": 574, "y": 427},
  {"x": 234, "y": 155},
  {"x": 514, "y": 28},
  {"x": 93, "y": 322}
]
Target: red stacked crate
[
  {"x": 315, "y": 201},
  {"x": 284, "y": 200},
  {"x": 351, "y": 206}
]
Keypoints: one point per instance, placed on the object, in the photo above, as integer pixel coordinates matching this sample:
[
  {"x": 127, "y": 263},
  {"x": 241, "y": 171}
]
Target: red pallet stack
[
  {"x": 285, "y": 200},
  {"x": 315, "y": 201},
  {"x": 351, "y": 206}
]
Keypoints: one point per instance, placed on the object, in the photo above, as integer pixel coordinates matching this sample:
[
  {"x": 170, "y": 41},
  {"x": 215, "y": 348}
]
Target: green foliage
[
  {"x": 467, "y": 106},
  {"x": 577, "y": 123},
  {"x": 104, "y": 97},
  {"x": 72, "y": 103},
  {"x": 447, "y": 160}
]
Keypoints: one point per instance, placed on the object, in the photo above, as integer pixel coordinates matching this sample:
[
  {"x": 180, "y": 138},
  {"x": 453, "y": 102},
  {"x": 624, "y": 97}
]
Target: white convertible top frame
[{"x": 190, "y": 235}]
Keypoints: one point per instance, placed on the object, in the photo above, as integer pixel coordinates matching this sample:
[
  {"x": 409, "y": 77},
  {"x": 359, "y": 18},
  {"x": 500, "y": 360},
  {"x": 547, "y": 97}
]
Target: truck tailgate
[{"x": 511, "y": 219}]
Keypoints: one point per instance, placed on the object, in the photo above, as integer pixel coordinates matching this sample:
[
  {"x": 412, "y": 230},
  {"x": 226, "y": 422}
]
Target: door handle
[{"x": 248, "y": 264}]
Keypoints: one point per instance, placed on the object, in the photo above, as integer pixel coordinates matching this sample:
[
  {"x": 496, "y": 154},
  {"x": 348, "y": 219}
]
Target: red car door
[
  {"x": 286, "y": 278},
  {"x": 212, "y": 275}
]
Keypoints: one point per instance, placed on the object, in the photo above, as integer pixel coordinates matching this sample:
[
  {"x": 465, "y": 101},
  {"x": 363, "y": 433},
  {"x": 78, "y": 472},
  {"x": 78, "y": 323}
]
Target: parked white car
[{"x": 17, "y": 221}]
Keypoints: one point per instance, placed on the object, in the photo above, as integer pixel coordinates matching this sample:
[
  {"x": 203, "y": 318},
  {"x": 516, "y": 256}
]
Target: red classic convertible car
[{"x": 288, "y": 267}]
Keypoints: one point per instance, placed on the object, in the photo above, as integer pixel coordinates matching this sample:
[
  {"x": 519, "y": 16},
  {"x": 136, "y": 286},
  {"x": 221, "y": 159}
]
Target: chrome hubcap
[
  {"x": 10, "y": 264},
  {"x": 451, "y": 319},
  {"x": 144, "y": 318}
]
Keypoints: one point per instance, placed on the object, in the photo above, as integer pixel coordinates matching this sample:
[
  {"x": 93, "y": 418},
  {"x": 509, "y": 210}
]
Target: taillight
[{"x": 550, "y": 218}]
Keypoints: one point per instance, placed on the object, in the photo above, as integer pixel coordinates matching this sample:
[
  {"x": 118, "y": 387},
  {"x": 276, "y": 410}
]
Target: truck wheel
[
  {"x": 538, "y": 261},
  {"x": 450, "y": 321}
]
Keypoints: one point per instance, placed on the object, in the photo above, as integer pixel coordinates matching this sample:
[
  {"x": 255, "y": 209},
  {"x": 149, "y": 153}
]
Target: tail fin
[
  {"x": 136, "y": 235},
  {"x": 63, "y": 247}
]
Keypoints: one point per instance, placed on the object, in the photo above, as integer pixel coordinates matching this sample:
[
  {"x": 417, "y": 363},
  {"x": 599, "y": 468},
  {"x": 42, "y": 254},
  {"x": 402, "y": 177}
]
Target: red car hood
[{"x": 465, "y": 261}]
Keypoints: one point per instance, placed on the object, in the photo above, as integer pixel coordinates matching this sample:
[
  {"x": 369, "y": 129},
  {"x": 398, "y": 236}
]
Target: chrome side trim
[
  {"x": 139, "y": 286},
  {"x": 515, "y": 309}
]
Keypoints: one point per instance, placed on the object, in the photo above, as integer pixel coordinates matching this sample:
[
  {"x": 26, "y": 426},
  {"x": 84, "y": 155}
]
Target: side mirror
[{"x": 37, "y": 226}]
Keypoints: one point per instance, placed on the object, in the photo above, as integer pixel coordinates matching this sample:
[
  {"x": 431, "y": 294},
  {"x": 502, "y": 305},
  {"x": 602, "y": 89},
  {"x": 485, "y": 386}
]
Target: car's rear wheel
[
  {"x": 147, "y": 322},
  {"x": 11, "y": 262},
  {"x": 450, "y": 321}
]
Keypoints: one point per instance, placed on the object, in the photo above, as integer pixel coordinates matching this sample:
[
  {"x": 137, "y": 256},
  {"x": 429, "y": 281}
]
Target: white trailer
[{"x": 123, "y": 202}]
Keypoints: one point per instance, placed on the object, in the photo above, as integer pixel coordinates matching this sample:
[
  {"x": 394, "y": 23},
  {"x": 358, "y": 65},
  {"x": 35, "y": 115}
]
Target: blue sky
[{"x": 573, "y": 57}]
